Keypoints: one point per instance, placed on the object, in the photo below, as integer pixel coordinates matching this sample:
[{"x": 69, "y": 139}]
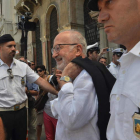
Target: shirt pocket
[
  {"x": 121, "y": 99},
  {"x": 3, "y": 82},
  {"x": 117, "y": 103},
  {"x": 20, "y": 79}
]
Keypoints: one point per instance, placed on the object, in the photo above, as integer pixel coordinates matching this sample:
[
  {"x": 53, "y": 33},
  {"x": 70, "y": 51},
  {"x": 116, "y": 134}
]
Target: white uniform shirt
[
  {"x": 12, "y": 91},
  {"x": 125, "y": 97},
  {"x": 114, "y": 69},
  {"x": 76, "y": 108}
]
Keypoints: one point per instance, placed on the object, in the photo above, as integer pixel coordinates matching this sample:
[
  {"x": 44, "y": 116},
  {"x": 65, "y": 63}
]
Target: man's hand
[
  {"x": 72, "y": 70},
  {"x": 103, "y": 51},
  {"x": 2, "y": 133}
]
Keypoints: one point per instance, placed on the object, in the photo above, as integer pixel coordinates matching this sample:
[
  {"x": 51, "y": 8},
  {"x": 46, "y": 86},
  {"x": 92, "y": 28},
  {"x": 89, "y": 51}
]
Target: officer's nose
[
  {"x": 103, "y": 17},
  {"x": 13, "y": 47}
]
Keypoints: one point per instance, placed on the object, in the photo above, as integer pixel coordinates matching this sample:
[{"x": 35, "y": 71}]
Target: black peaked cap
[
  {"x": 6, "y": 38},
  {"x": 93, "y": 5}
]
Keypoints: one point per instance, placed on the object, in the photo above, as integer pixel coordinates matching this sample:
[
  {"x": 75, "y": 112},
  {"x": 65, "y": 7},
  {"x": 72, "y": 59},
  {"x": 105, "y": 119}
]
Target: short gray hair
[{"x": 78, "y": 38}]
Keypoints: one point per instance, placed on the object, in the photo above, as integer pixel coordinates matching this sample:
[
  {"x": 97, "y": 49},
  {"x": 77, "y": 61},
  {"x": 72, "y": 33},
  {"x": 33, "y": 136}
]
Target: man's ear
[
  {"x": 79, "y": 50},
  {"x": 90, "y": 54}
]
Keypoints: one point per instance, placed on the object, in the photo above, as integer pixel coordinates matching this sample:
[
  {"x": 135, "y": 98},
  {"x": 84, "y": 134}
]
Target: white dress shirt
[
  {"x": 12, "y": 91},
  {"x": 114, "y": 69},
  {"x": 125, "y": 97},
  {"x": 76, "y": 109}
]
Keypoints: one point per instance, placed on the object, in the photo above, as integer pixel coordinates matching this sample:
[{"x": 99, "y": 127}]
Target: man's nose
[
  {"x": 54, "y": 55},
  {"x": 103, "y": 17},
  {"x": 13, "y": 47}
]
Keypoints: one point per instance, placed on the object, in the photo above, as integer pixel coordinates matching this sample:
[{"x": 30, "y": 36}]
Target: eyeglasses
[
  {"x": 32, "y": 64},
  {"x": 10, "y": 73},
  {"x": 39, "y": 71},
  {"x": 57, "y": 48}
]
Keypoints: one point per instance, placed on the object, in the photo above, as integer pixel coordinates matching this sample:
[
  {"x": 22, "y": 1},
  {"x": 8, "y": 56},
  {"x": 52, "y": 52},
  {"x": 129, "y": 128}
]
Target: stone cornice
[{"x": 26, "y": 6}]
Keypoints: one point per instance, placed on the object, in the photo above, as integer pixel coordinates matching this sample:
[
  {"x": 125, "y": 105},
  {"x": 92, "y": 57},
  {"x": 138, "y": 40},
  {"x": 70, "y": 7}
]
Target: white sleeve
[
  {"x": 77, "y": 102},
  {"x": 31, "y": 75}
]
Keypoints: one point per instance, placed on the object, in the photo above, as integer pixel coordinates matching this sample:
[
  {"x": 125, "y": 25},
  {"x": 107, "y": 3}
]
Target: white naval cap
[
  {"x": 28, "y": 61},
  {"x": 118, "y": 50},
  {"x": 92, "y": 46}
]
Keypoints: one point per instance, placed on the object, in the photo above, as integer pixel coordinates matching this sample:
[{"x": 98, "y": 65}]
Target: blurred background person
[
  {"x": 114, "y": 66},
  {"x": 103, "y": 60},
  {"x": 49, "y": 120},
  {"x": 41, "y": 70},
  {"x": 33, "y": 65},
  {"x": 32, "y": 92},
  {"x": 93, "y": 51}
]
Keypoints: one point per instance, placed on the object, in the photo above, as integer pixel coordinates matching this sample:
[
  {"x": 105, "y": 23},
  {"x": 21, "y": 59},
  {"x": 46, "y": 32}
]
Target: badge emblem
[
  {"x": 22, "y": 81},
  {"x": 136, "y": 125}
]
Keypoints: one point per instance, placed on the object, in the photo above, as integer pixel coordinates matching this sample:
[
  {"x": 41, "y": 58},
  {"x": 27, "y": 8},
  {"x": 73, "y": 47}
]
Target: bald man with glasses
[{"x": 76, "y": 106}]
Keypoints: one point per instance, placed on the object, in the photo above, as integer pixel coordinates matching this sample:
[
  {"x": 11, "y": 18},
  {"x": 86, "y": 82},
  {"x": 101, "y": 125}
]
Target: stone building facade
[
  {"x": 51, "y": 17},
  {"x": 8, "y": 21}
]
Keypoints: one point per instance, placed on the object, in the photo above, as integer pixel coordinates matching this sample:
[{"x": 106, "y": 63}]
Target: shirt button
[
  {"x": 118, "y": 98},
  {"x": 123, "y": 71}
]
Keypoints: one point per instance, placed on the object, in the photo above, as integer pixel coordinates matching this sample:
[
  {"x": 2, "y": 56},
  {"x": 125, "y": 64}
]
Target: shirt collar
[
  {"x": 135, "y": 51},
  {"x": 114, "y": 65},
  {"x": 14, "y": 62}
]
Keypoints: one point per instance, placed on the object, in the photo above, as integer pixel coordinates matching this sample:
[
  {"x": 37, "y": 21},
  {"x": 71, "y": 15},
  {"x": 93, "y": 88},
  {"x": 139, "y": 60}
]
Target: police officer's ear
[
  {"x": 79, "y": 50},
  {"x": 1, "y": 46}
]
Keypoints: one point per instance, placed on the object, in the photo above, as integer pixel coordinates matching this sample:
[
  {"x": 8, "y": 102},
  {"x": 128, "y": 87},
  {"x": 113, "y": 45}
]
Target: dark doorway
[
  {"x": 53, "y": 32},
  {"x": 38, "y": 44}
]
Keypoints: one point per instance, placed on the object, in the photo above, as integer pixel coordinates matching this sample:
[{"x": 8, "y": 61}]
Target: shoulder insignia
[{"x": 108, "y": 66}]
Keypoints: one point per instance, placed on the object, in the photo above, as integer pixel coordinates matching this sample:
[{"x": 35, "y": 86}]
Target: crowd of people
[{"x": 86, "y": 99}]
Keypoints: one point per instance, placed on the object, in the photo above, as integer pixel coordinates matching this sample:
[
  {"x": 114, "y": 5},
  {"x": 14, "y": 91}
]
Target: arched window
[
  {"x": 90, "y": 25},
  {"x": 38, "y": 44},
  {"x": 53, "y": 32}
]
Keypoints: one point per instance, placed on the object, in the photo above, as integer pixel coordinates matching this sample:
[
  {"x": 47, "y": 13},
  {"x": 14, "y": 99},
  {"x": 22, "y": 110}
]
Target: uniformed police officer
[
  {"x": 124, "y": 123},
  {"x": 114, "y": 66},
  {"x": 13, "y": 75},
  {"x": 93, "y": 51}
]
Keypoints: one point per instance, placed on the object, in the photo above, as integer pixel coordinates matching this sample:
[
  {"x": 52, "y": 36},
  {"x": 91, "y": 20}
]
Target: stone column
[{"x": 44, "y": 53}]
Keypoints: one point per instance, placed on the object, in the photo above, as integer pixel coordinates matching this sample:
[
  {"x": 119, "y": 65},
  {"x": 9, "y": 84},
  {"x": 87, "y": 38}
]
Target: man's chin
[
  {"x": 60, "y": 68},
  {"x": 113, "y": 38}
]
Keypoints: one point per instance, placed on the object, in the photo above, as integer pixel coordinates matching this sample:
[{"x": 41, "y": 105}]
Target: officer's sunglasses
[
  {"x": 119, "y": 54},
  {"x": 10, "y": 73}
]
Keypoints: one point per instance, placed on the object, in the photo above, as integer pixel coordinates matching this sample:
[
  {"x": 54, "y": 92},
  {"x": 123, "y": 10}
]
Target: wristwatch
[{"x": 66, "y": 79}]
